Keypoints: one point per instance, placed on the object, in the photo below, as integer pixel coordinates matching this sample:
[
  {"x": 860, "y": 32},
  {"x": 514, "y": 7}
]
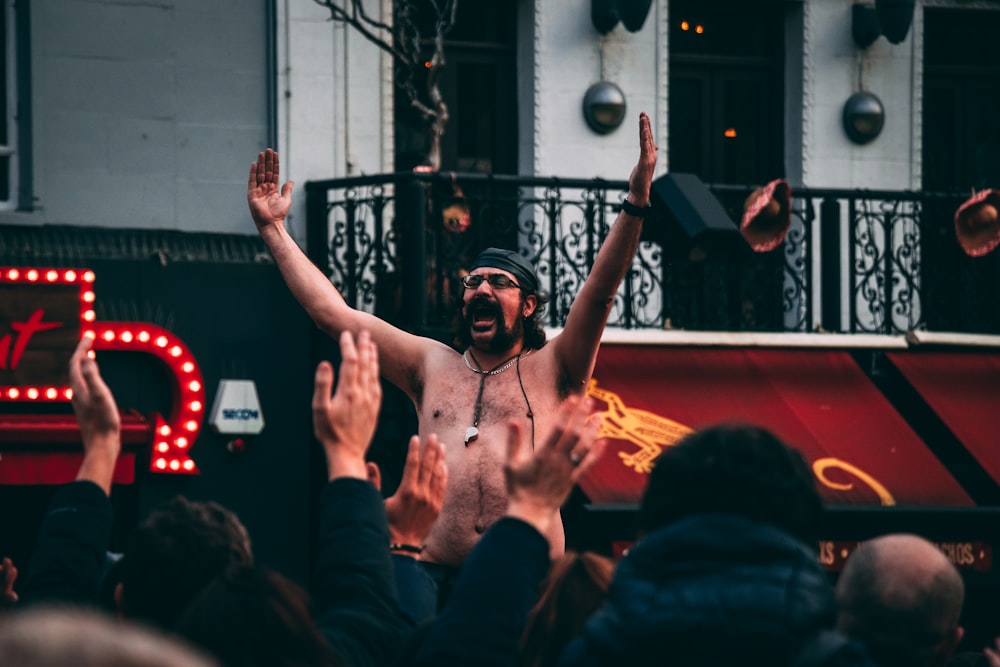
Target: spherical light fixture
[
  {"x": 604, "y": 107},
  {"x": 864, "y": 117}
]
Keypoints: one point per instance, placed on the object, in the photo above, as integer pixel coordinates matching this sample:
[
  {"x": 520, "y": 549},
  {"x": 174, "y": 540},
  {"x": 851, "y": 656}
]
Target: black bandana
[{"x": 512, "y": 262}]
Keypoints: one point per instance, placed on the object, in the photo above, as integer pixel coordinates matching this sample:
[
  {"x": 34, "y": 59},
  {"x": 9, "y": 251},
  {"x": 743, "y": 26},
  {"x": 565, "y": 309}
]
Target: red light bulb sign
[{"x": 44, "y": 311}]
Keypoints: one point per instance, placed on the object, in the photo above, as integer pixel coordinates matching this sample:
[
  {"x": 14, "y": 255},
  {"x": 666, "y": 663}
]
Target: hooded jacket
[{"x": 709, "y": 590}]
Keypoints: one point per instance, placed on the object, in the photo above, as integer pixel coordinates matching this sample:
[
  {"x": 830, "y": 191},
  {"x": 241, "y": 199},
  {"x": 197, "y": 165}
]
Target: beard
[{"x": 504, "y": 336}]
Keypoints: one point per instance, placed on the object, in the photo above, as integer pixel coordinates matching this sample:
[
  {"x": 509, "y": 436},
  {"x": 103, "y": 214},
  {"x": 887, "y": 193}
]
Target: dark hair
[
  {"x": 576, "y": 586},
  {"x": 534, "y": 330},
  {"x": 249, "y": 616},
  {"x": 179, "y": 548},
  {"x": 733, "y": 469}
]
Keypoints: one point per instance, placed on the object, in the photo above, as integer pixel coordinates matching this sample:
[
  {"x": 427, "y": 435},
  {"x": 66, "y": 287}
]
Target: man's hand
[
  {"x": 642, "y": 174},
  {"x": 268, "y": 205},
  {"x": 97, "y": 417},
  {"x": 8, "y": 575},
  {"x": 539, "y": 482},
  {"x": 415, "y": 506},
  {"x": 345, "y": 423},
  {"x": 993, "y": 653}
]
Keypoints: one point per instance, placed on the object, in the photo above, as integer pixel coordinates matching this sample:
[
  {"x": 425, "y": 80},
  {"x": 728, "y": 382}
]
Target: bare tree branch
[{"x": 407, "y": 47}]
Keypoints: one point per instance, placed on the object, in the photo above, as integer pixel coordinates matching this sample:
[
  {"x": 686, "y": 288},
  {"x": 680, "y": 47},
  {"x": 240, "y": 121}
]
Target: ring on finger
[{"x": 575, "y": 458}]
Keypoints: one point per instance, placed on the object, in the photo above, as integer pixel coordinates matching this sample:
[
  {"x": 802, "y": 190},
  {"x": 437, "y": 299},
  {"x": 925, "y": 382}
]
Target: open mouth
[{"x": 483, "y": 314}]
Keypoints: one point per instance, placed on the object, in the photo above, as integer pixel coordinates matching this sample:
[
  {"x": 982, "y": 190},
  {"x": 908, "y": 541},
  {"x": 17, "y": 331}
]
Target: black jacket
[{"x": 709, "y": 590}]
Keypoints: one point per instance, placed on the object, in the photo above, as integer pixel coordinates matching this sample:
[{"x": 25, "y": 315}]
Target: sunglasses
[{"x": 496, "y": 281}]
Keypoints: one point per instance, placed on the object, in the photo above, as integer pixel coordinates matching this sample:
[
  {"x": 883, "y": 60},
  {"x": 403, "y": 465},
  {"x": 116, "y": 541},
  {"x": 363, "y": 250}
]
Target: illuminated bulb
[
  {"x": 187, "y": 367},
  {"x": 175, "y": 351},
  {"x": 189, "y": 465},
  {"x": 685, "y": 26},
  {"x": 194, "y": 385},
  {"x": 195, "y": 406},
  {"x": 51, "y": 393},
  {"x": 68, "y": 394},
  {"x": 126, "y": 336},
  {"x": 90, "y": 333},
  {"x": 427, "y": 64},
  {"x": 175, "y": 465},
  {"x": 52, "y": 276},
  {"x": 14, "y": 392},
  {"x": 69, "y": 276},
  {"x": 699, "y": 29},
  {"x": 730, "y": 133},
  {"x": 161, "y": 341},
  {"x": 191, "y": 425},
  {"x": 144, "y": 336},
  {"x": 13, "y": 274},
  {"x": 89, "y": 316},
  {"x": 161, "y": 464},
  {"x": 181, "y": 442},
  {"x": 88, "y": 277},
  {"x": 32, "y": 275},
  {"x": 91, "y": 354},
  {"x": 88, "y": 297},
  {"x": 32, "y": 393},
  {"x": 108, "y": 335},
  {"x": 165, "y": 430},
  {"x": 163, "y": 447}
]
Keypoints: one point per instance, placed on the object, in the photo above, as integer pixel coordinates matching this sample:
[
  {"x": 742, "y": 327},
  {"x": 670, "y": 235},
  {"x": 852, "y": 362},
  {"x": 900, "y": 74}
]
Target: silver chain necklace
[{"x": 472, "y": 432}]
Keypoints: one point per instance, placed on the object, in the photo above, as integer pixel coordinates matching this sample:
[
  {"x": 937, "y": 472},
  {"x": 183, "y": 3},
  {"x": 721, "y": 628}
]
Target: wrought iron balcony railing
[{"x": 854, "y": 261}]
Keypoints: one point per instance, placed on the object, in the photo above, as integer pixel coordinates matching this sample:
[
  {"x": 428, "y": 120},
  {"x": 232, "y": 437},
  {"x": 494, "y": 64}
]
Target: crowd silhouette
[{"x": 724, "y": 568}]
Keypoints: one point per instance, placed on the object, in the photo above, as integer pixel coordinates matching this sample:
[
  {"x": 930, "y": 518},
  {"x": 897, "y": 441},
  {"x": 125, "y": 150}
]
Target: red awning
[
  {"x": 963, "y": 388},
  {"x": 820, "y": 401}
]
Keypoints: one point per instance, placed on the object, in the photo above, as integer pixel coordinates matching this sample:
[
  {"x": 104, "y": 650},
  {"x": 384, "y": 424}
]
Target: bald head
[{"x": 902, "y": 598}]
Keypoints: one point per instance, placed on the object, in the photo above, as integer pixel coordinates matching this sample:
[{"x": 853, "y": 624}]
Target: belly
[{"x": 476, "y": 497}]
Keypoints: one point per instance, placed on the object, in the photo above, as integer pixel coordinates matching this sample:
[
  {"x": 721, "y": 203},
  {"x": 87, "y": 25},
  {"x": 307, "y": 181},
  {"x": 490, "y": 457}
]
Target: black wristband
[
  {"x": 637, "y": 211},
  {"x": 409, "y": 548}
]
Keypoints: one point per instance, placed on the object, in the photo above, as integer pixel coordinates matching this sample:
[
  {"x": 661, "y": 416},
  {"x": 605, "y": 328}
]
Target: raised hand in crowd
[
  {"x": 345, "y": 422},
  {"x": 540, "y": 481},
  {"x": 8, "y": 575},
  {"x": 97, "y": 416},
  {"x": 993, "y": 654},
  {"x": 415, "y": 506}
]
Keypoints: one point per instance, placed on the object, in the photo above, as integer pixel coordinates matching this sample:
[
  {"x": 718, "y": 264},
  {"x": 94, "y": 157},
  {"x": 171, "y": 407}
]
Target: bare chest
[{"x": 463, "y": 403}]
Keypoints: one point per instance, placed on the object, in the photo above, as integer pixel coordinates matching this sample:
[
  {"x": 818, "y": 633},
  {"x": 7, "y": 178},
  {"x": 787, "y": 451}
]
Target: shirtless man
[{"x": 468, "y": 397}]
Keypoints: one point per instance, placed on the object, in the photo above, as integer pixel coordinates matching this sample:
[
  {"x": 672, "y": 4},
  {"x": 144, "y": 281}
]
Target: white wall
[
  {"x": 570, "y": 56},
  {"x": 335, "y": 115},
  {"x": 146, "y": 114},
  {"x": 835, "y": 68}
]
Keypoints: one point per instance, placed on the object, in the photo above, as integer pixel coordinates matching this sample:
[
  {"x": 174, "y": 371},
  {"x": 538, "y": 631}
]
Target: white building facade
[{"x": 146, "y": 115}]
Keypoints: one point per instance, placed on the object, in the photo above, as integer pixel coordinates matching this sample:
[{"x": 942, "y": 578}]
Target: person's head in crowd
[
  {"x": 733, "y": 469},
  {"x": 55, "y": 637},
  {"x": 575, "y": 588},
  {"x": 725, "y": 569},
  {"x": 180, "y": 547},
  {"x": 250, "y": 616},
  {"x": 901, "y": 597}
]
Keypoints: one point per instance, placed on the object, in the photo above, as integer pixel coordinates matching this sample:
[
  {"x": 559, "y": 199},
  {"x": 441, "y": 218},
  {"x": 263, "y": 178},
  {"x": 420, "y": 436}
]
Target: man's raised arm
[
  {"x": 577, "y": 349},
  {"x": 269, "y": 205}
]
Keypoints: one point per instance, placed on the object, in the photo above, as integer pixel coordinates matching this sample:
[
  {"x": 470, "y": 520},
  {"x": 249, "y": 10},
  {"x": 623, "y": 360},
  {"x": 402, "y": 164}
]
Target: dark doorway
[
  {"x": 478, "y": 84},
  {"x": 726, "y": 93},
  {"x": 961, "y": 147}
]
